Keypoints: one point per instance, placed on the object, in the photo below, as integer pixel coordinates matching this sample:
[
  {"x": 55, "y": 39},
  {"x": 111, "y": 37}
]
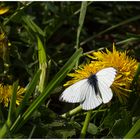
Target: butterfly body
[
  {"x": 92, "y": 91},
  {"x": 92, "y": 80}
]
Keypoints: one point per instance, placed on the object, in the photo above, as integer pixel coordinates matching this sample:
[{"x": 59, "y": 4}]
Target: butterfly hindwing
[
  {"x": 91, "y": 100},
  {"x": 105, "y": 78},
  {"x": 105, "y": 92}
]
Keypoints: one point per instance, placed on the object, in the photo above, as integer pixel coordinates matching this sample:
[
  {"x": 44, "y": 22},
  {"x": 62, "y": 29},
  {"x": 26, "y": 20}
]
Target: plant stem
[
  {"x": 86, "y": 123},
  {"x": 72, "y": 112}
]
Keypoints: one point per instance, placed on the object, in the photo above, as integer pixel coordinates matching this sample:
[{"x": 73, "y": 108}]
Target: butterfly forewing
[
  {"x": 106, "y": 75},
  {"x": 75, "y": 93}
]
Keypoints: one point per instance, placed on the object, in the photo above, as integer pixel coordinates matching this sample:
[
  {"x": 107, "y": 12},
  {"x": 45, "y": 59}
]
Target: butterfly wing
[
  {"x": 91, "y": 100},
  {"x": 105, "y": 91},
  {"x": 105, "y": 78},
  {"x": 84, "y": 93},
  {"x": 76, "y": 92}
]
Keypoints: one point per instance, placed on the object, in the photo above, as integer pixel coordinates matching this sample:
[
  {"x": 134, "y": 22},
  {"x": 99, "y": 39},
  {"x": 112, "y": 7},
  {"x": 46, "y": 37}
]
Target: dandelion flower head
[
  {"x": 6, "y": 93},
  {"x": 3, "y": 10},
  {"x": 125, "y": 66}
]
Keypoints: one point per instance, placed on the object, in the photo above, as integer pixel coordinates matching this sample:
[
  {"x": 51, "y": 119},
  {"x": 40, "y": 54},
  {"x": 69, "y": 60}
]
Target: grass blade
[
  {"x": 12, "y": 107},
  {"x": 136, "y": 75},
  {"x": 47, "y": 91},
  {"x": 81, "y": 22},
  {"x": 133, "y": 130},
  {"x": 42, "y": 64},
  {"x": 31, "y": 87},
  {"x": 110, "y": 28},
  {"x": 127, "y": 40},
  {"x": 32, "y": 25},
  {"x": 11, "y": 113},
  {"x": 19, "y": 11}
]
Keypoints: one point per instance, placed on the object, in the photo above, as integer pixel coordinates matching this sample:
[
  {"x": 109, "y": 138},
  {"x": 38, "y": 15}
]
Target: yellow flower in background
[
  {"x": 125, "y": 66},
  {"x": 6, "y": 93},
  {"x": 3, "y": 10}
]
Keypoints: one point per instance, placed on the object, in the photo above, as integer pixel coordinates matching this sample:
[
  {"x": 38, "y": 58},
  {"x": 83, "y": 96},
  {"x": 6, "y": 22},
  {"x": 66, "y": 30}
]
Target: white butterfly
[{"x": 92, "y": 91}]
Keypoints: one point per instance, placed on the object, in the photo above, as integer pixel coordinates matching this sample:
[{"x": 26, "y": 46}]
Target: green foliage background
[{"x": 47, "y": 36}]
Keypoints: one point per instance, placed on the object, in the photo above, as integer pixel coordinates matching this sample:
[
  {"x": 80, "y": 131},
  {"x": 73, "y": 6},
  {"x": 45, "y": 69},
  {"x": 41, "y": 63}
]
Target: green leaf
[
  {"x": 112, "y": 115},
  {"x": 47, "y": 114},
  {"x": 60, "y": 132},
  {"x": 67, "y": 132},
  {"x": 120, "y": 127},
  {"x": 76, "y": 125},
  {"x": 64, "y": 130},
  {"x": 92, "y": 129}
]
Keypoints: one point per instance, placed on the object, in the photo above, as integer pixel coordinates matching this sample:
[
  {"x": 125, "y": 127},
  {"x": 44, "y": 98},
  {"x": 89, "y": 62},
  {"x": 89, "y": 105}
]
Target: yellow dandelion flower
[
  {"x": 3, "y": 10},
  {"x": 6, "y": 92},
  {"x": 125, "y": 66}
]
